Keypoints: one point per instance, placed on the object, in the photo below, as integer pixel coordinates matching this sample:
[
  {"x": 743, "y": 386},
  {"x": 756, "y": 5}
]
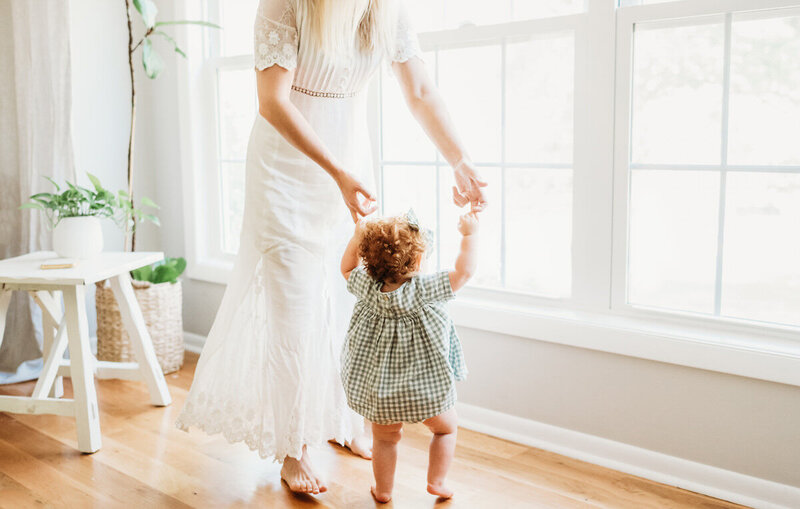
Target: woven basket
[{"x": 161, "y": 306}]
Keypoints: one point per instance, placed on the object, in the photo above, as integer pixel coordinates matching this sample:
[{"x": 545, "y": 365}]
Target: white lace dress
[{"x": 269, "y": 371}]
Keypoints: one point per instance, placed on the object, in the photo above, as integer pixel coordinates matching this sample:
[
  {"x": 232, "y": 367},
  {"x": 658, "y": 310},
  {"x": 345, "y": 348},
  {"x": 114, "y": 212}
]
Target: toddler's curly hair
[{"x": 390, "y": 248}]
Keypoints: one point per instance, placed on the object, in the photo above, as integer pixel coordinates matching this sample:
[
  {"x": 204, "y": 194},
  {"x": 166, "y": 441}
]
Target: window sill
[{"x": 763, "y": 355}]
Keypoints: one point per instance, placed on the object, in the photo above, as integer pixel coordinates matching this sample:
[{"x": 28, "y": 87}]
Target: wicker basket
[{"x": 161, "y": 306}]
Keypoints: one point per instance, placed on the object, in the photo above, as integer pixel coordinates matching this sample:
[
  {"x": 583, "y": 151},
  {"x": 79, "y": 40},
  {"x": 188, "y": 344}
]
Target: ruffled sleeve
[
  {"x": 276, "y": 40},
  {"x": 406, "y": 41}
]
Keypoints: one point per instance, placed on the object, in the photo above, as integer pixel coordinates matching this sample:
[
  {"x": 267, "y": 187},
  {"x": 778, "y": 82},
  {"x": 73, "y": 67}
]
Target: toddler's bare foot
[
  {"x": 440, "y": 490},
  {"x": 299, "y": 475},
  {"x": 380, "y": 497},
  {"x": 361, "y": 446}
]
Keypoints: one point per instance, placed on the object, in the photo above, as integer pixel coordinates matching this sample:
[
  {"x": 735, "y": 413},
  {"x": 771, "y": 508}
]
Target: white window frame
[{"x": 596, "y": 316}]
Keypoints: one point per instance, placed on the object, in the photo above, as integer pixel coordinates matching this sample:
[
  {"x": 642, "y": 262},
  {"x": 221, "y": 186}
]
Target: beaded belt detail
[{"x": 314, "y": 93}]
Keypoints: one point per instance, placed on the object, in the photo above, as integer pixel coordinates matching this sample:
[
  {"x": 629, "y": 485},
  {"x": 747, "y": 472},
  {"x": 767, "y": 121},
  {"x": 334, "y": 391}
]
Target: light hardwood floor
[{"x": 146, "y": 462}]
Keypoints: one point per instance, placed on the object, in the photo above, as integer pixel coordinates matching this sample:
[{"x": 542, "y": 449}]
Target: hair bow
[{"x": 413, "y": 222}]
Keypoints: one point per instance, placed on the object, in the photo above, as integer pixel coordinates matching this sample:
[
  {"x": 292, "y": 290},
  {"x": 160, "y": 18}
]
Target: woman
[{"x": 269, "y": 372}]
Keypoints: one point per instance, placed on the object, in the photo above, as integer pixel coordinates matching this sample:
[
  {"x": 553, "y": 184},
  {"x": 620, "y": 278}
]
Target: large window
[{"x": 643, "y": 155}]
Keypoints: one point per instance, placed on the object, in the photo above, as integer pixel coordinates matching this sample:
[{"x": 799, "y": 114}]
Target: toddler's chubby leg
[
  {"x": 384, "y": 458},
  {"x": 441, "y": 451}
]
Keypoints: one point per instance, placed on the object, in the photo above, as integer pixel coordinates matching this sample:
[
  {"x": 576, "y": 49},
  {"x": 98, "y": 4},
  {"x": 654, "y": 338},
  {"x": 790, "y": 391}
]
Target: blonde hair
[
  {"x": 390, "y": 248},
  {"x": 332, "y": 25}
]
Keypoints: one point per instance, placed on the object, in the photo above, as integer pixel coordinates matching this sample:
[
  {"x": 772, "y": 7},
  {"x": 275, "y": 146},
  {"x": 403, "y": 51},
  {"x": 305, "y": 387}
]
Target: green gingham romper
[{"x": 401, "y": 356}]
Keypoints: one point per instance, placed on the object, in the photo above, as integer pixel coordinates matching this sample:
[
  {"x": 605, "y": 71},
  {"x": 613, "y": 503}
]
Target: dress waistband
[{"x": 314, "y": 93}]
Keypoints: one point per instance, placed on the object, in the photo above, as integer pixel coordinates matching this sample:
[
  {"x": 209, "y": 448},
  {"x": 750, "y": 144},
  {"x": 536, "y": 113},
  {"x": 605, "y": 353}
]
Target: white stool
[{"x": 24, "y": 273}]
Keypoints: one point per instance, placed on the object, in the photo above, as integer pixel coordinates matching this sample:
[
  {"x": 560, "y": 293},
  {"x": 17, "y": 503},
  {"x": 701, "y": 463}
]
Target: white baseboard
[
  {"x": 193, "y": 342},
  {"x": 659, "y": 467}
]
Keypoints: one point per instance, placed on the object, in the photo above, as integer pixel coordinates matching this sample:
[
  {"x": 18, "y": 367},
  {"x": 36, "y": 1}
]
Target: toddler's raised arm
[
  {"x": 467, "y": 260},
  {"x": 350, "y": 259}
]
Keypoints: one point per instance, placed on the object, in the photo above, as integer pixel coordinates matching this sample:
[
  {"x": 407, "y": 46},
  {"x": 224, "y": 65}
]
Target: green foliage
[
  {"x": 151, "y": 60},
  {"x": 166, "y": 271},
  {"x": 78, "y": 201}
]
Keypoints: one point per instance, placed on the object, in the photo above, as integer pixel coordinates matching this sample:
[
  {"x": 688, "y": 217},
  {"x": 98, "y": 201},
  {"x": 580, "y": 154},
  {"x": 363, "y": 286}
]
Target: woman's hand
[
  {"x": 351, "y": 189},
  {"x": 469, "y": 187}
]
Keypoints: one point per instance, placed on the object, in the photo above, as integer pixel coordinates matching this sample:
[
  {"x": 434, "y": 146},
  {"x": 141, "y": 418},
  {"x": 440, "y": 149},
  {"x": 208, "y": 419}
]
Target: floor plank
[{"x": 147, "y": 461}]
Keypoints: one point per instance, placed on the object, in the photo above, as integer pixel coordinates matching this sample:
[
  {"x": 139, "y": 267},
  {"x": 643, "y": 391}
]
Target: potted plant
[
  {"x": 159, "y": 294},
  {"x": 74, "y": 215}
]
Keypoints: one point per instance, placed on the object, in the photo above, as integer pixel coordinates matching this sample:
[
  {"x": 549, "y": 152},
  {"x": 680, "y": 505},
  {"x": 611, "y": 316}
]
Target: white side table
[{"x": 23, "y": 273}]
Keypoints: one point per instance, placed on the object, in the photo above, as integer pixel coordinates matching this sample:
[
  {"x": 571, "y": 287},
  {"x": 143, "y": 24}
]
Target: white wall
[{"x": 734, "y": 423}]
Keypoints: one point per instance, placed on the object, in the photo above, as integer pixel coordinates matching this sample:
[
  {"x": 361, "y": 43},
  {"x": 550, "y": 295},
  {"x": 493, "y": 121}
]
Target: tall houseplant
[{"x": 153, "y": 65}]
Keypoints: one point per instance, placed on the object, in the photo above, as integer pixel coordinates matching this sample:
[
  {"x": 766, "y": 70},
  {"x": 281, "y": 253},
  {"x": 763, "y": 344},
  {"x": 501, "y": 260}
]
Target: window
[
  {"x": 642, "y": 154},
  {"x": 714, "y": 165},
  {"x": 522, "y": 141}
]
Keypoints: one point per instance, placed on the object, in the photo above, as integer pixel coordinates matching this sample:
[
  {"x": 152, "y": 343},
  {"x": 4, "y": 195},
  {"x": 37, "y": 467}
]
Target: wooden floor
[{"x": 146, "y": 462}]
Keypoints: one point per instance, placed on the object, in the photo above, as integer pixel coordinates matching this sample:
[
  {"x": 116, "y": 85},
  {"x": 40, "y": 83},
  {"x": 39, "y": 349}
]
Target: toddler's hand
[{"x": 468, "y": 223}]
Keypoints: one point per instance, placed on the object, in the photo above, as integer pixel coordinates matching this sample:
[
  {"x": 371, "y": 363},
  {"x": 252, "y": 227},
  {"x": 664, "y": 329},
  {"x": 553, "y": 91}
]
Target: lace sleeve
[
  {"x": 406, "y": 42},
  {"x": 275, "y": 35}
]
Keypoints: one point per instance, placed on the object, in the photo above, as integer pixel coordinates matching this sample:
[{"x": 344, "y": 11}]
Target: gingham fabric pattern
[{"x": 402, "y": 355}]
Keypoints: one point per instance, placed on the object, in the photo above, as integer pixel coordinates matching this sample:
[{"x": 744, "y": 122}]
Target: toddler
[{"x": 402, "y": 355}]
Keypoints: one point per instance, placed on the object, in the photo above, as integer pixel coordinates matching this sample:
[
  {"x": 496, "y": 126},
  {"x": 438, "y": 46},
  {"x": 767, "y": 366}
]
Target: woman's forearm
[{"x": 428, "y": 108}]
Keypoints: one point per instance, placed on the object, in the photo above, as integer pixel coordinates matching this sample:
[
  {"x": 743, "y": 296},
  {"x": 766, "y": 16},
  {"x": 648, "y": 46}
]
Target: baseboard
[
  {"x": 193, "y": 342},
  {"x": 659, "y": 467}
]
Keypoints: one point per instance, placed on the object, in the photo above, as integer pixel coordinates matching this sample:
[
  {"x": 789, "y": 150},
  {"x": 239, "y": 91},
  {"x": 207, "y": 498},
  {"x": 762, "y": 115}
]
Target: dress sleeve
[
  {"x": 436, "y": 287},
  {"x": 359, "y": 282},
  {"x": 276, "y": 40},
  {"x": 406, "y": 41}
]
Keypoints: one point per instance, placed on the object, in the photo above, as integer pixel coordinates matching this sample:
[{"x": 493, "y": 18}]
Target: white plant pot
[{"x": 78, "y": 237}]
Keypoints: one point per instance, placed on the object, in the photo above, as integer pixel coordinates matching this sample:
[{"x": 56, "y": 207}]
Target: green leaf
[
  {"x": 188, "y": 22},
  {"x": 150, "y": 217},
  {"x": 32, "y": 205},
  {"x": 170, "y": 39},
  {"x": 164, "y": 273},
  {"x": 147, "y": 202},
  {"x": 95, "y": 182},
  {"x": 142, "y": 273},
  {"x": 54, "y": 183},
  {"x": 148, "y": 10},
  {"x": 153, "y": 64},
  {"x": 180, "y": 265}
]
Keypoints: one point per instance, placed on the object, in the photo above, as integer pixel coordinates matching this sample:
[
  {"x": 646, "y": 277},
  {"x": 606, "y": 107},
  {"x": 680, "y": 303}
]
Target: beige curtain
[{"x": 35, "y": 141}]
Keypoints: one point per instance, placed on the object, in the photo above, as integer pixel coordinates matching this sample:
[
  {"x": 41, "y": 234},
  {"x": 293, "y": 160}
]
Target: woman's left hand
[{"x": 469, "y": 187}]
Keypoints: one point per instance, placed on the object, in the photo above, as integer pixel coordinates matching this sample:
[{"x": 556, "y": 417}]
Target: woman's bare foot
[
  {"x": 299, "y": 475},
  {"x": 440, "y": 490},
  {"x": 361, "y": 446},
  {"x": 380, "y": 497}
]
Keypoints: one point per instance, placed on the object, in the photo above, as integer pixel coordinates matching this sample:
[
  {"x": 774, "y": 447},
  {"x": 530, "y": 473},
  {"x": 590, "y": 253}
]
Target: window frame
[{"x": 596, "y": 316}]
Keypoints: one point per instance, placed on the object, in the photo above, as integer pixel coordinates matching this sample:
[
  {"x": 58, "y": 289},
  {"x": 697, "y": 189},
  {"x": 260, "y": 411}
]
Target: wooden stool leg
[
  {"x": 5, "y": 300},
  {"x": 140, "y": 340},
  {"x": 51, "y": 316},
  {"x": 82, "y": 369}
]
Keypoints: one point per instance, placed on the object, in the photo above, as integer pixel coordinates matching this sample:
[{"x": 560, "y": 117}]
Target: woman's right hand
[{"x": 351, "y": 188}]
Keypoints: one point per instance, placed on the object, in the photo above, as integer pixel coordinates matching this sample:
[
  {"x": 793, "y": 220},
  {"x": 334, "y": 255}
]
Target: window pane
[
  {"x": 407, "y": 187},
  {"x": 677, "y": 93},
  {"x": 237, "y": 110},
  {"x": 761, "y": 272},
  {"x": 539, "y": 231},
  {"x": 673, "y": 239},
  {"x": 403, "y": 137},
  {"x": 539, "y": 105},
  {"x": 457, "y": 13},
  {"x": 469, "y": 79},
  {"x": 765, "y": 91},
  {"x": 530, "y": 9},
  {"x": 426, "y": 16},
  {"x": 238, "y": 18},
  {"x": 232, "y": 189},
  {"x": 489, "y": 249}
]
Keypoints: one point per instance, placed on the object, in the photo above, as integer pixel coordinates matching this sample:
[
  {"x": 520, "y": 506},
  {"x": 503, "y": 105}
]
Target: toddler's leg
[
  {"x": 442, "y": 450},
  {"x": 384, "y": 458}
]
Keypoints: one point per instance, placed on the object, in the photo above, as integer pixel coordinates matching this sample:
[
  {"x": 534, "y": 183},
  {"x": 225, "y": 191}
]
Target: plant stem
[{"x": 131, "y": 48}]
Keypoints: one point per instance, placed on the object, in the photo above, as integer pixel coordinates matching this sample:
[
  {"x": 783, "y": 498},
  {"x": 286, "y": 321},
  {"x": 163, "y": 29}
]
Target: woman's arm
[
  {"x": 350, "y": 259},
  {"x": 428, "y": 108},
  {"x": 467, "y": 260},
  {"x": 274, "y": 84}
]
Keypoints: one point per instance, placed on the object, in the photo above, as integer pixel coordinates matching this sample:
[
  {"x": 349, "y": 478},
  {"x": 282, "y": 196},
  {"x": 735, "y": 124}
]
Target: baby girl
[{"x": 402, "y": 355}]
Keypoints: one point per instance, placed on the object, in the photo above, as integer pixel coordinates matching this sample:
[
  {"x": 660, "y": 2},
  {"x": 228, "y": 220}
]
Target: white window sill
[{"x": 764, "y": 355}]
